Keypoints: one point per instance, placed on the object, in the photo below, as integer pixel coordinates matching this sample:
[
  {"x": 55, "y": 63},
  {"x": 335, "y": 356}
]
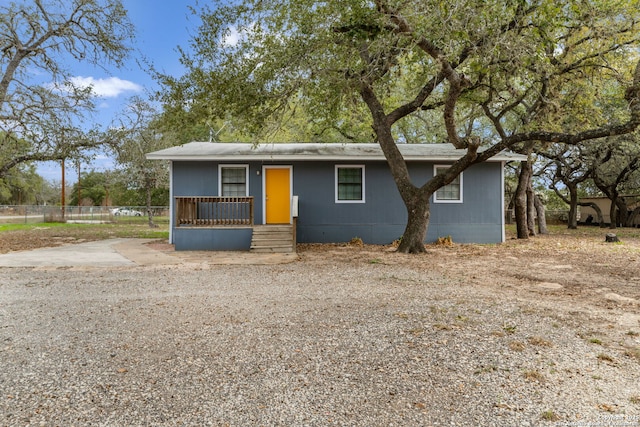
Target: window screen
[
  {"x": 234, "y": 181},
  {"x": 451, "y": 192},
  {"x": 350, "y": 183}
]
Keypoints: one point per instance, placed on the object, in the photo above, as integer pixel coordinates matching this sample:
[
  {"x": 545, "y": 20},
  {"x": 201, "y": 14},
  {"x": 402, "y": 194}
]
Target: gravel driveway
[{"x": 317, "y": 342}]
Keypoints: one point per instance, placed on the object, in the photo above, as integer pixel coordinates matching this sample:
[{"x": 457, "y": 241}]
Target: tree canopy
[
  {"x": 146, "y": 136},
  {"x": 493, "y": 74},
  {"x": 39, "y": 102}
]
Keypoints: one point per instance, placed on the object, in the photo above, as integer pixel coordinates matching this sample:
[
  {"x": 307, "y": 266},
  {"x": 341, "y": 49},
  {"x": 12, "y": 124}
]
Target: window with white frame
[
  {"x": 349, "y": 183},
  {"x": 233, "y": 180},
  {"x": 450, "y": 193}
]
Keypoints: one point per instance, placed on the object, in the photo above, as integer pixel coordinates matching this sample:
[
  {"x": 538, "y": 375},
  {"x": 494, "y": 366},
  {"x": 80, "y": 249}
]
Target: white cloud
[
  {"x": 235, "y": 35},
  {"x": 232, "y": 38},
  {"x": 111, "y": 87}
]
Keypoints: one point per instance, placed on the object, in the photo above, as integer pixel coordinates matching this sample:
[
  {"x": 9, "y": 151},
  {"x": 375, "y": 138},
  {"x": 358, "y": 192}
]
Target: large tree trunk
[
  {"x": 613, "y": 212},
  {"x": 416, "y": 199},
  {"x": 623, "y": 211},
  {"x": 418, "y": 213},
  {"x": 531, "y": 208},
  {"x": 632, "y": 218},
  {"x": 521, "y": 202},
  {"x": 542, "y": 217},
  {"x": 572, "y": 221}
]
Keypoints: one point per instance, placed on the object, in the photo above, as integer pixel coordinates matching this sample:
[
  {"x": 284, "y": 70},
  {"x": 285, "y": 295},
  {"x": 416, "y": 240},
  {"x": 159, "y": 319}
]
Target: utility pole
[
  {"x": 79, "y": 196},
  {"x": 63, "y": 185}
]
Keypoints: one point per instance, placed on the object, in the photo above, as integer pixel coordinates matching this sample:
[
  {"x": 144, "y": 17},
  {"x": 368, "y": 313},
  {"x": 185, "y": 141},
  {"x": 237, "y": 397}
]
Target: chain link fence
[{"x": 27, "y": 214}]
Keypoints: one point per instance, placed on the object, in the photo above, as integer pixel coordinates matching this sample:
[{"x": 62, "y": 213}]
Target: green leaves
[
  {"x": 34, "y": 36},
  {"x": 528, "y": 65}
]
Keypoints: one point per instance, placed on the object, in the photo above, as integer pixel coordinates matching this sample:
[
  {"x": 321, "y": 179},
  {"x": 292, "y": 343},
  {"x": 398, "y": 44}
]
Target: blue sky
[{"x": 160, "y": 28}]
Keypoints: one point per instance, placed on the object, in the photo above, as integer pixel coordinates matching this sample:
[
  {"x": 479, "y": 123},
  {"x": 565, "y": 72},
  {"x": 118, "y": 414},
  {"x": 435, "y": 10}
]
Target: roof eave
[{"x": 291, "y": 158}]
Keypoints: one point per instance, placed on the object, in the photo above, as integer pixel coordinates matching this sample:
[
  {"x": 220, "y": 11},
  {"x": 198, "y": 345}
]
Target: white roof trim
[{"x": 202, "y": 151}]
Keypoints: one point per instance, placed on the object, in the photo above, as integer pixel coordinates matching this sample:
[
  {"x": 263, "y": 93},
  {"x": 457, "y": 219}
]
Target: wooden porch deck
[{"x": 208, "y": 211}]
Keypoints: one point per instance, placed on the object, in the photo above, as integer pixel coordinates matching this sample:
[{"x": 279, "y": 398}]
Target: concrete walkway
[{"x": 130, "y": 253}]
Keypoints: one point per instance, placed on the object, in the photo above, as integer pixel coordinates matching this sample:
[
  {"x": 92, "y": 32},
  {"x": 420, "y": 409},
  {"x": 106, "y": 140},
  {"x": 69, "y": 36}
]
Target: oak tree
[
  {"x": 39, "y": 101},
  {"x": 568, "y": 170},
  {"x": 612, "y": 165},
  {"x": 486, "y": 75},
  {"x": 145, "y": 136}
]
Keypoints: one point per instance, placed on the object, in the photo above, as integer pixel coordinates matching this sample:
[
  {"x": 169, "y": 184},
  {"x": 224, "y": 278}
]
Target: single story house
[{"x": 328, "y": 193}]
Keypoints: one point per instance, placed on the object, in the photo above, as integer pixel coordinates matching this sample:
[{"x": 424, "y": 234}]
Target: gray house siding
[
  {"x": 212, "y": 239},
  {"x": 383, "y": 217},
  {"x": 380, "y": 220},
  {"x": 479, "y": 218},
  {"x": 201, "y": 179}
]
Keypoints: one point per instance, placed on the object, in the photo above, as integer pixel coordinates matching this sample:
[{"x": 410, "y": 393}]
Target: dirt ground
[
  {"x": 572, "y": 274},
  {"x": 565, "y": 263},
  {"x": 566, "y": 267},
  {"x": 23, "y": 240},
  {"x": 572, "y": 271},
  {"x": 528, "y": 332}
]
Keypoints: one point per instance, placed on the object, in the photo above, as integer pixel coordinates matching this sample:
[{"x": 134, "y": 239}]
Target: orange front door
[{"x": 277, "y": 189}]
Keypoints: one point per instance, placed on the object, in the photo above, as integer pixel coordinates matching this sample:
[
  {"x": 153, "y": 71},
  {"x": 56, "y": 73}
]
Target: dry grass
[
  {"x": 533, "y": 376},
  {"x": 605, "y": 358},
  {"x": 540, "y": 342},
  {"x": 517, "y": 346},
  {"x": 19, "y": 237},
  {"x": 550, "y": 416},
  {"x": 633, "y": 352}
]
